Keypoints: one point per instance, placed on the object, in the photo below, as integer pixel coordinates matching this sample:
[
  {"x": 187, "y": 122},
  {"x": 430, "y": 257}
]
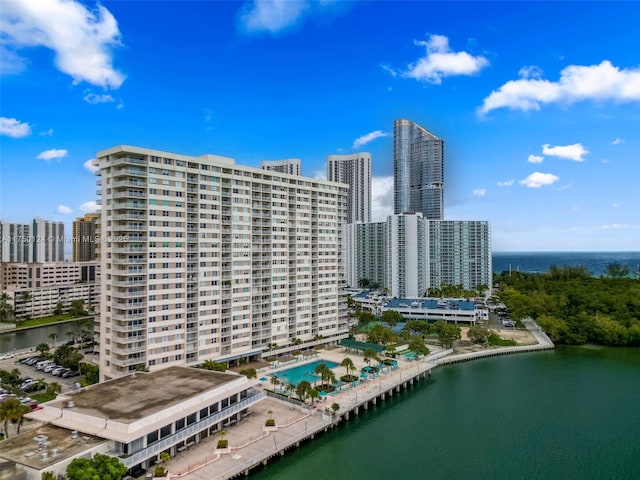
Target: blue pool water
[{"x": 296, "y": 375}]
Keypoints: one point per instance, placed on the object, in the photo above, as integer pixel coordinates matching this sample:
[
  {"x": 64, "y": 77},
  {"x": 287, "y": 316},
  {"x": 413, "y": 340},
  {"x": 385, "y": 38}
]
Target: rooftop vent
[
  {"x": 71, "y": 404},
  {"x": 74, "y": 434},
  {"x": 40, "y": 438}
]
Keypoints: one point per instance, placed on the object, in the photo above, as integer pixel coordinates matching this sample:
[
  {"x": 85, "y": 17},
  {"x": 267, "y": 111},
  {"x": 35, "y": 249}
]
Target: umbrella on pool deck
[{"x": 264, "y": 379}]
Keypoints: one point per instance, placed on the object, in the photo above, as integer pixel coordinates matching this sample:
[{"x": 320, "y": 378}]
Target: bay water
[{"x": 570, "y": 413}]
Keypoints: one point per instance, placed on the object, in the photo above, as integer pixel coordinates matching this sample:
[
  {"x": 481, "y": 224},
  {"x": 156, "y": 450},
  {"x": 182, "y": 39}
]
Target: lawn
[{"x": 36, "y": 322}]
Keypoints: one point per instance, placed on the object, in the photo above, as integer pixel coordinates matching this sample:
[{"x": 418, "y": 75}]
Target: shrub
[
  {"x": 159, "y": 472},
  {"x": 223, "y": 443},
  {"x": 270, "y": 423}
]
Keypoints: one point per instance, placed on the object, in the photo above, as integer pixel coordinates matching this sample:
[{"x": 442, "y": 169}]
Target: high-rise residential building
[
  {"x": 203, "y": 259},
  {"x": 407, "y": 255},
  {"x": 84, "y": 239},
  {"x": 48, "y": 241},
  {"x": 460, "y": 253},
  {"x": 365, "y": 254},
  {"x": 418, "y": 170},
  {"x": 290, "y": 166},
  {"x": 355, "y": 171},
  {"x": 16, "y": 243}
]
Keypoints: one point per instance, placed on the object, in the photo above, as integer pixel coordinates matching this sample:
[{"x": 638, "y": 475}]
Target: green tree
[
  {"x": 49, "y": 476},
  {"x": 102, "y": 467},
  {"x": 42, "y": 349},
  {"x": 313, "y": 394},
  {"x": 67, "y": 356},
  {"x": 335, "y": 407},
  {"x": 416, "y": 344},
  {"x": 77, "y": 308},
  {"x": 215, "y": 366},
  {"x": 449, "y": 334},
  {"x": 381, "y": 334},
  {"x": 302, "y": 390},
  {"x": 91, "y": 373},
  {"x": 347, "y": 363},
  {"x": 391, "y": 317},
  {"x": 478, "y": 334},
  {"x": 364, "y": 317},
  {"x": 53, "y": 389},
  {"x": 59, "y": 308},
  {"x": 53, "y": 337},
  {"x": 616, "y": 270},
  {"x": 12, "y": 410},
  {"x": 363, "y": 283},
  {"x": 26, "y": 297},
  {"x": 369, "y": 354},
  {"x": 249, "y": 372},
  {"x": 290, "y": 388},
  {"x": 6, "y": 309}
]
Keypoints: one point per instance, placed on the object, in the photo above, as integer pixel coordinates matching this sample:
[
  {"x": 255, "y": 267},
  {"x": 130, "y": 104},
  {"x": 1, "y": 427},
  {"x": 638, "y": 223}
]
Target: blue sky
[{"x": 538, "y": 103}]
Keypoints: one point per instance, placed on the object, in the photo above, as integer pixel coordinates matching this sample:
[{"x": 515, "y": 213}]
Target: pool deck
[{"x": 251, "y": 446}]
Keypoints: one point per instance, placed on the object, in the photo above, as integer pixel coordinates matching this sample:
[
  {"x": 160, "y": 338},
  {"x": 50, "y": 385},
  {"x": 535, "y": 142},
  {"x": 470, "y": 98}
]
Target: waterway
[
  {"x": 31, "y": 337},
  {"x": 570, "y": 413}
]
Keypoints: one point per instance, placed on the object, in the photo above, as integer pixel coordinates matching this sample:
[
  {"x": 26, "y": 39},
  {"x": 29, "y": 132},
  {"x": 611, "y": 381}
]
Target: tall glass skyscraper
[{"x": 418, "y": 170}]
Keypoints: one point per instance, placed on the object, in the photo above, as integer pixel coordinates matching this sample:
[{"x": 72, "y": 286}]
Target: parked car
[
  {"x": 26, "y": 382},
  {"x": 49, "y": 368},
  {"x": 42, "y": 364},
  {"x": 6, "y": 356},
  {"x": 59, "y": 371},
  {"x": 70, "y": 373},
  {"x": 33, "y": 361},
  {"x": 34, "y": 387}
]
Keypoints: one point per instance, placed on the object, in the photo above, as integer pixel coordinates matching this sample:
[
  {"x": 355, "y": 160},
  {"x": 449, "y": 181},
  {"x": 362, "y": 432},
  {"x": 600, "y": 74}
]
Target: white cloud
[
  {"x": 91, "y": 206},
  {"x": 12, "y": 127},
  {"x": 537, "y": 180},
  {"x": 615, "y": 226},
  {"x": 319, "y": 174},
  {"x": 531, "y": 71},
  {"x": 479, "y": 192},
  {"x": 506, "y": 183},
  {"x": 47, "y": 133},
  {"x": 574, "y": 152},
  {"x": 274, "y": 16},
  {"x": 617, "y": 141},
  {"x": 364, "y": 139},
  {"x": 391, "y": 71},
  {"x": 94, "y": 98},
  {"x": 90, "y": 166},
  {"x": 535, "y": 159},
  {"x": 615, "y": 205},
  {"x": 381, "y": 198},
  {"x": 82, "y": 39},
  {"x": 64, "y": 209},
  {"x": 441, "y": 62},
  {"x": 52, "y": 154},
  {"x": 577, "y": 83}
]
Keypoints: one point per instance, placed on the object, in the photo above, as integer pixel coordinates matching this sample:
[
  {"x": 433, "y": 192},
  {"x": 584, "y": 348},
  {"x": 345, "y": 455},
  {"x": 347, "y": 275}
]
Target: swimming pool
[{"x": 296, "y": 375}]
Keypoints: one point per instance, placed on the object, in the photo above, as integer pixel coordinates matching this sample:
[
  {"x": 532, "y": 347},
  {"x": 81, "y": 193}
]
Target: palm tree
[
  {"x": 6, "y": 310},
  {"x": 313, "y": 394},
  {"x": 71, "y": 335},
  {"x": 53, "y": 388},
  {"x": 347, "y": 363},
  {"x": 302, "y": 390},
  {"x": 25, "y": 297},
  {"x": 12, "y": 410},
  {"x": 290, "y": 388},
  {"x": 335, "y": 407},
  {"x": 369, "y": 354},
  {"x": 52, "y": 337}
]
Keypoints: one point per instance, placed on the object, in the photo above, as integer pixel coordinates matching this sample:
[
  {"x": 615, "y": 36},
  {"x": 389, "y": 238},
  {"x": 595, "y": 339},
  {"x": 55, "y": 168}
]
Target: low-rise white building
[{"x": 133, "y": 418}]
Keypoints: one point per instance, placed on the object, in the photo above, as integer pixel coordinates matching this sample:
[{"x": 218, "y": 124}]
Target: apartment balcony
[
  {"x": 128, "y": 283},
  {"x": 129, "y": 216},
  {"x": 128, "y": 161},
  {"x": 125, "y": 317},
  {"x": 128, "y": 272},
  {"x": 128, "y": 327},
  {"x": 128, "y": 261},
  {"x": 128, "y": 183},
  {"x": 129, "y": 249},
  {"x": 126, "y": 339},
  {"x": 127, "y": 172},
  {"x": 128, "y": 350},
  {"x": 125, "y": 362},
  {"x": 131, "y": 205}
]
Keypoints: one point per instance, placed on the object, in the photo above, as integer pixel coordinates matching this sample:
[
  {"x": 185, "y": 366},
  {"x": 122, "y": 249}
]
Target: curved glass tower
[{"x": 418, "y": 170}]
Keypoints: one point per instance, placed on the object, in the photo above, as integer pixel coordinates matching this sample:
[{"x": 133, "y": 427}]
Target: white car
[{"x": 6, "y": 356}]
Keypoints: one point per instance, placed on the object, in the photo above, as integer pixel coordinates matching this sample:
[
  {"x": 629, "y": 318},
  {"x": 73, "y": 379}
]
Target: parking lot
[{"x": 27, "y": 371}]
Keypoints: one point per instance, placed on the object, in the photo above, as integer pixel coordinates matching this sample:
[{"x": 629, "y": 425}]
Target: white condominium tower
[
  {"x": 418, "y": 170},
  {"x": 407, "y": 255},
  {"x": 42, "y": 241},
  {"x": 355, "y": 171},
  {"x": 365, "y": 254},
  {"x": 203, "y": 259},
  {"x": 460, "y": 253},
  {"x": 290, "y": 166}
]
